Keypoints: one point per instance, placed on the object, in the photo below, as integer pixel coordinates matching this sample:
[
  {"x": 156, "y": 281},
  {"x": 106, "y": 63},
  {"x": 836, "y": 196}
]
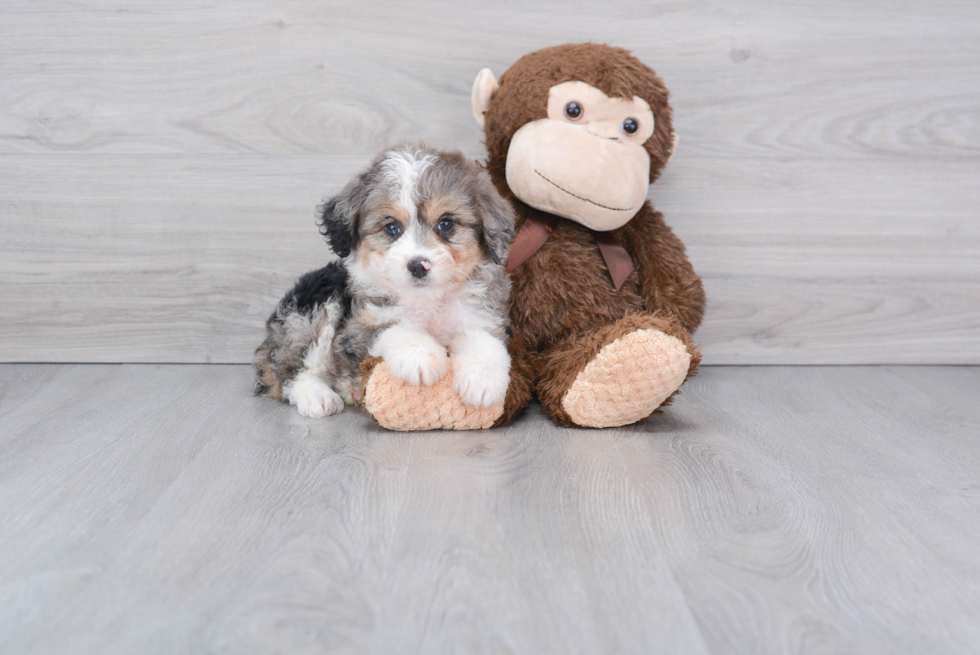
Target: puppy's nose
[{"x": 419, "y": 267}]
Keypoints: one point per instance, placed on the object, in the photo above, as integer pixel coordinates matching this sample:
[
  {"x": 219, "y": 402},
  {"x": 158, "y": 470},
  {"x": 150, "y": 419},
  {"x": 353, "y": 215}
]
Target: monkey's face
[
  {"x": 586, "y": 160},
  {"x": 570, "y": 130}
]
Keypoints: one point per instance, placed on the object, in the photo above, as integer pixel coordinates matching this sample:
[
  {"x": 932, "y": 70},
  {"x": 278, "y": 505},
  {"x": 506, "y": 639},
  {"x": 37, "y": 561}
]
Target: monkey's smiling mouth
[{"x": 614, "y": 209}]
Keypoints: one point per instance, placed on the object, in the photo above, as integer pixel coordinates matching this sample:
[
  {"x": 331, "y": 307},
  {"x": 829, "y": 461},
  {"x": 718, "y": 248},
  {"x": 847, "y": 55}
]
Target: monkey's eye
[
  {"x": 630, "y": 126},
  {"x": 574, "y": 111},
  {"x": 445, "y": 225},
  {"x": 393, "y": 229}
]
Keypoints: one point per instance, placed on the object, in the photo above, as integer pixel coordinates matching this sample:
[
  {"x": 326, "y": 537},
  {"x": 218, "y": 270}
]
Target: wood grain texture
[
  {"x": 771, "y": 510},
  {"x": 159, "y": 164},
  {"x": 749, "y": 78}
]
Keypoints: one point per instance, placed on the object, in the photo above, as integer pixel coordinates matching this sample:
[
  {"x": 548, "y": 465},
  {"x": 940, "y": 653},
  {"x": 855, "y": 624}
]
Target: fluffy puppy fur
[{"x": 423, "y": 237}]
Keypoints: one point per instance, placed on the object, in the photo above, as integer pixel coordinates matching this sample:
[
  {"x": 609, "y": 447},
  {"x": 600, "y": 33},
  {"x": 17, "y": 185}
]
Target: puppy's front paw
[
  {"x": 313, "y": 397},
  {"x": 417, "y": 359},
  {"x": 479, "y": 389},
  {"x": 481, "y": 374}
]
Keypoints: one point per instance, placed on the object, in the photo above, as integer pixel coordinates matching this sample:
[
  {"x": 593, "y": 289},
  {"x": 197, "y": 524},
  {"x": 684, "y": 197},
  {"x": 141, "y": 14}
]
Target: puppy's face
[
  {"x": 419, "y": 221},
  {"x": 432, "y": 242}
]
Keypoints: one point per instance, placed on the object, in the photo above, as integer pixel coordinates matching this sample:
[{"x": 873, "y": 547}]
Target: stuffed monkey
[{"x": 604, "y": 299}]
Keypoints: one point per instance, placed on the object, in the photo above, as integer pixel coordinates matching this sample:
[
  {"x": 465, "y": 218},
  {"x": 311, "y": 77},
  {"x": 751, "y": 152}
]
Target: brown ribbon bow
[{"x": 537, "y": 229}]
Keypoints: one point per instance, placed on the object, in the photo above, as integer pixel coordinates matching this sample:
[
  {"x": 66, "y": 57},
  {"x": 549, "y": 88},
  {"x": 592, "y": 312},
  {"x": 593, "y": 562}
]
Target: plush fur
[
  {"x": 423, "y": 236},
  {"x": 564, "y": 308},
  {"x": 567, "y": 318}
]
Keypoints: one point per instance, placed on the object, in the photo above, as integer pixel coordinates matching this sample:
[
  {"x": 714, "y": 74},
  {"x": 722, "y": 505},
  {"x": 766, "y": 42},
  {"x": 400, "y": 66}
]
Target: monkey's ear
[
  {"x": 338, "y": 217},
  {"x": 498, "y": 220},
  {"x": 484, "y": 87},
  {"x": 673, "y": 147}
]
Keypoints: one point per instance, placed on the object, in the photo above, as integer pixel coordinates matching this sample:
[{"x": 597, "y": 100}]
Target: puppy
[{"x": 423, "y": 237}]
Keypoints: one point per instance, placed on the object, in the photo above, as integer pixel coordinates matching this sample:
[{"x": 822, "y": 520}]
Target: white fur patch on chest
[{"x": 443, "y": 317}]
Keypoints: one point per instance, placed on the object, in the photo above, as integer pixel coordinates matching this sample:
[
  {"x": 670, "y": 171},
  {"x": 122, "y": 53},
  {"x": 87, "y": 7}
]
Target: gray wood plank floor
[
  {"x": 160, "y": 162},
  {"x": 150, "y": 508}
]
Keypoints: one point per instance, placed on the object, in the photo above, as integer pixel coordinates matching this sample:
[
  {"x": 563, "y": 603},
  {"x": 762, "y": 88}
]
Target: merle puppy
[{"x": 423, "y": 237}]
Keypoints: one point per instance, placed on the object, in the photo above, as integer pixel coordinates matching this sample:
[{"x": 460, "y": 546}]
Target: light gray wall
[{"x": 160, "y": 162}]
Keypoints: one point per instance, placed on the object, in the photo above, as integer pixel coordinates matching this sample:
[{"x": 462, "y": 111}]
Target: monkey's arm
[{"x": 667, "y": 279}]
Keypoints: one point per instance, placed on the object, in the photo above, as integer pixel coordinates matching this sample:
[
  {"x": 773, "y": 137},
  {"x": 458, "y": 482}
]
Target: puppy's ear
[
  {"x": 339, "y": 217},
  {"x": 498, "y": 219}
]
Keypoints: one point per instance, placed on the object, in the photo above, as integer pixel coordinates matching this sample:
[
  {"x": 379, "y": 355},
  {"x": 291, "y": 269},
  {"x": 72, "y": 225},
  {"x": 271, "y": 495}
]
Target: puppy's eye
[
  {"x": 574, "y": 111},
  {"x": 445, "y": 225},
  {"x": 393, "y": 229},
  {"x": 630, "y": 126}
]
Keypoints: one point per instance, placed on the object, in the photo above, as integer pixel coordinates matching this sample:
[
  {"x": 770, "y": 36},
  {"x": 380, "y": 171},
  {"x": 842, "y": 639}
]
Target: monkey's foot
[
  {"x": 398, "y": 405},
  {"x": 627, "y": 380}
]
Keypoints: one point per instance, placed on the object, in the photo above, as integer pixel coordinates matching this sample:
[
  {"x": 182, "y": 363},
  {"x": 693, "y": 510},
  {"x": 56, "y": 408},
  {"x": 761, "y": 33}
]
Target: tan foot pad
[
  {"x": 398, "y": 405},
  {"x": 627, "y": 380}
]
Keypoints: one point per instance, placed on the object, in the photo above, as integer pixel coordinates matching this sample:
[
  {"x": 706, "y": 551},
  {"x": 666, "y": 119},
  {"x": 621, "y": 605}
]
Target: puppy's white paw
[
  {"x": 418, "y": 361},
  {"x": 312, "y": 396},
  {"x": 481, "y": 371},
  {"x": 478, "y": 389}
]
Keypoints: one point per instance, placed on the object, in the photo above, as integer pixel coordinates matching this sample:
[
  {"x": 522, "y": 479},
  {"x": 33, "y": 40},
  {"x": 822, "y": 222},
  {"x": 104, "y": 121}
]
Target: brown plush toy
[{"x": 604, "y": 299}]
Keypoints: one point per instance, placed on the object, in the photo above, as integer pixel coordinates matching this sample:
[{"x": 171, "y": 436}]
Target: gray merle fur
[{"x": 327, "y": 298}]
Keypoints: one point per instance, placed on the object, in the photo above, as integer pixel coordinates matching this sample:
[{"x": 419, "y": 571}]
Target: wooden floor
[{"x": 151, "y": 508}]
